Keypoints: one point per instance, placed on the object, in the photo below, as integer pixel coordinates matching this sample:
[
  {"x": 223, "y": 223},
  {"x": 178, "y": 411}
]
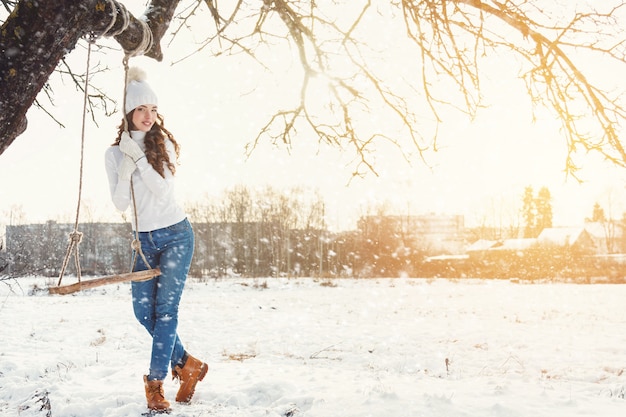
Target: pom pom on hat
[{"x": 138, "y": 91}]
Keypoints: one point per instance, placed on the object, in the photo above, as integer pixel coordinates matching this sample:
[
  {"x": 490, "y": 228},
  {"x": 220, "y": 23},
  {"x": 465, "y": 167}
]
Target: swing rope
[
  {"x": 142, "y": 48},
  {"x": 75, "y": 236},
  {"x": 136, "y": 243}
]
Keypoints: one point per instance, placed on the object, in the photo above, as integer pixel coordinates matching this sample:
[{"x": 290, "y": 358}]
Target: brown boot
[
  {"x": 154, "y": 395},
  {"x": 193, "y": 371}
]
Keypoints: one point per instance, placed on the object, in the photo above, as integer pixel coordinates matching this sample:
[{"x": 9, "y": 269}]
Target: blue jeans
[{"x": 155, "y": 302}]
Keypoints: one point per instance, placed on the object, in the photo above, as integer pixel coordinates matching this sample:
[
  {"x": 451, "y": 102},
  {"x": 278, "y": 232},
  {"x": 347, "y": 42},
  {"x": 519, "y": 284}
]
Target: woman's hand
[
  {"x": 130, "y": 147},
  {"x": 126, "y": 168}
]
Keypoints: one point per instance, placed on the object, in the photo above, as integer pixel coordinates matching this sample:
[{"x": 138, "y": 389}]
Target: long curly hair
[{"x": 156, "y": 152}]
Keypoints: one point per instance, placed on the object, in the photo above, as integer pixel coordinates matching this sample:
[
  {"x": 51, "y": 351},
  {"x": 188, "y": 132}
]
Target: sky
[{"x": 216, "y": 105}]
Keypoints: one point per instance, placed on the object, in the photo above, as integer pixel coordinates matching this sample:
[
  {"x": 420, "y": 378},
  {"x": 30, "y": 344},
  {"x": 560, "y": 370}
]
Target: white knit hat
[{"x": 138, "y": 91}]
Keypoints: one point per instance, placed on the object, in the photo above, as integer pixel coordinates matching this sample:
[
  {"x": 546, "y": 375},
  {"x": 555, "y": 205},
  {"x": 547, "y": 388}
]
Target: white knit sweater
[{"x": 154, "y": 195}]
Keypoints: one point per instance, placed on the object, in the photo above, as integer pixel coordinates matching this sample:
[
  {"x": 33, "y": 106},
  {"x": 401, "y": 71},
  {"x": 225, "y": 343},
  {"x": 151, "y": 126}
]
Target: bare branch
[{"x": 553, "y": 78}]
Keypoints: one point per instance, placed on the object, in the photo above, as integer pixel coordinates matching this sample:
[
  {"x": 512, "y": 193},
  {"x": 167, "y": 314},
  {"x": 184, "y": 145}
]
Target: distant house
[
  {"x": 561, "y": 237},
  {"x": 483, "y": 247},
  {"x": 514, "y": 245},
  {"x": 572, "y": 237},
  {"x": 609, "y": 237}
]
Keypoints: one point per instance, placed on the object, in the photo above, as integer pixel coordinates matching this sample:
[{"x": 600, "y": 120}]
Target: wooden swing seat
[{"x": 109, "y": 279}]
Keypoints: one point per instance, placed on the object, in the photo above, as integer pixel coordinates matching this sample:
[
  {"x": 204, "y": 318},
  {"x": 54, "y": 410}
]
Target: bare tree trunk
[{"x": 38, "y": 35}]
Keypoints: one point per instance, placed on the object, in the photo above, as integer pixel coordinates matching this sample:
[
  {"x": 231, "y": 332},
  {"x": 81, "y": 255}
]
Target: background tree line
[{"x": 267, "y": 232}]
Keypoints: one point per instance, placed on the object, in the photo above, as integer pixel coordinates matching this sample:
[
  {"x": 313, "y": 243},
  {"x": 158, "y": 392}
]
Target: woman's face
[{"x": 144, "y": 117}]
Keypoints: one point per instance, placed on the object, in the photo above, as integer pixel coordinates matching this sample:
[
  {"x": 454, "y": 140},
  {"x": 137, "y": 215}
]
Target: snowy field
[{"x": 295, "y": 348}]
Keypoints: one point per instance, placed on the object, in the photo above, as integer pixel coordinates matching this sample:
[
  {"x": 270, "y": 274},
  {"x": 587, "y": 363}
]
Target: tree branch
[
  {"x": 38, "y": 34},
  {"x": 589, "y": 116}
]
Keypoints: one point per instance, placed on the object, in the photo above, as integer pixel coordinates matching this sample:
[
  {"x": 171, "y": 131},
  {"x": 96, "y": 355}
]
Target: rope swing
[{"x": 75, "y": 236}]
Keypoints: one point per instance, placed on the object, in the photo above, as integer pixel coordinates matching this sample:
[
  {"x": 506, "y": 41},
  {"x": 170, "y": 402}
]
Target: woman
[{"x": 148, "y": 155}]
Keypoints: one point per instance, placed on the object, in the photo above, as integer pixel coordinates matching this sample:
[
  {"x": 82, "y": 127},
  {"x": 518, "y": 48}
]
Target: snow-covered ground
[{"x": 295, "y": 348}]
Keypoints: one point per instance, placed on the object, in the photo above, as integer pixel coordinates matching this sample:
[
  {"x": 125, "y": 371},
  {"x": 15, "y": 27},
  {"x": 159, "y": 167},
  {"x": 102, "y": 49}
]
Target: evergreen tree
[
  {"x": 543, "y": 207},
  {"x": 536, "y": 211},
  {"x": 598, "y": 214}
]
